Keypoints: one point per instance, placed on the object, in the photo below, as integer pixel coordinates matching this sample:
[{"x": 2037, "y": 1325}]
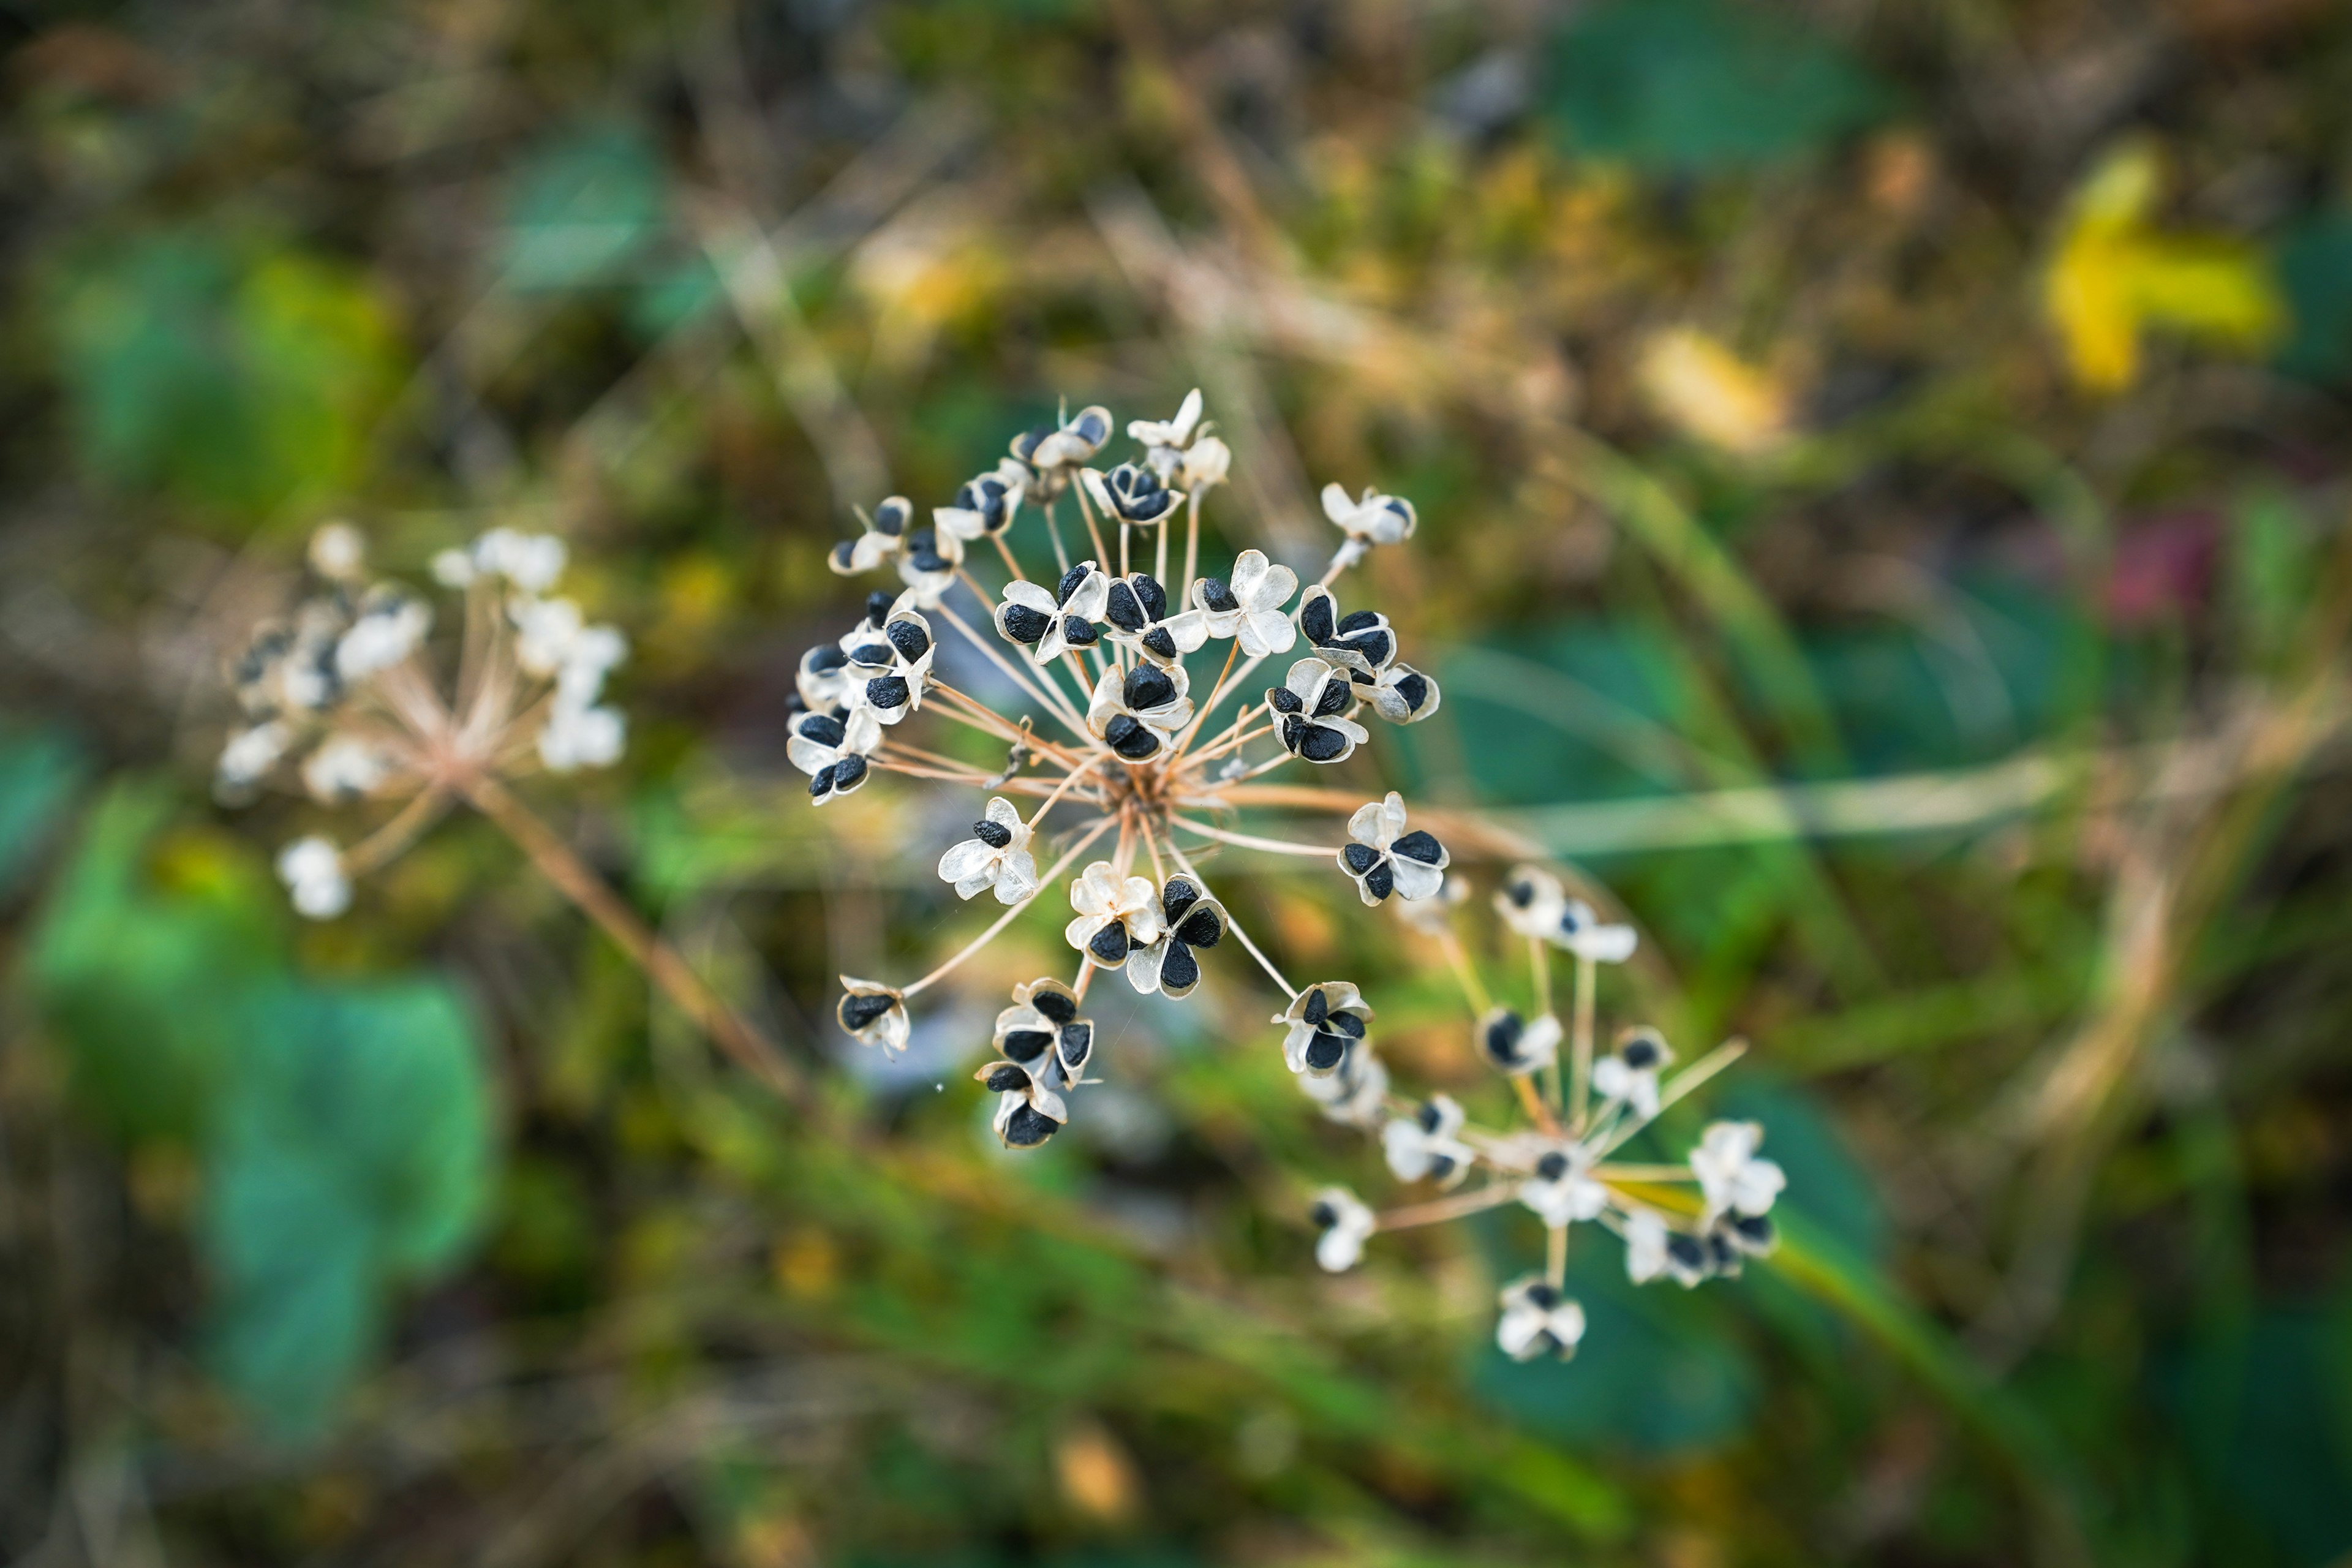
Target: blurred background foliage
[{"x": 1883, "y": 473}]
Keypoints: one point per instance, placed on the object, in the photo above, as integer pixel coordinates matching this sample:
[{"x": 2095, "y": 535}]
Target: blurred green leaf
[
  {"x": 2314, "y": 268},
  {"x": 383, "y": 1084},
  {"x": 42, "y": 767},
  {"x": 1665, "y": 1373},
  {"x": 1699, "y": 86},
  {"x": 351, "y": 1154},
  {"x": 583, "y": 207},
  {"x": 130, "y": 970},
  {"x": 675, "y": 295},
  {"x": 237, "y": 379},
  {"x": 2272, "y": 571},
  {"x": 290, "y": 1257},
  {"x": 343, "y": 1130},
  {"x": 2265, "y": 1413}
]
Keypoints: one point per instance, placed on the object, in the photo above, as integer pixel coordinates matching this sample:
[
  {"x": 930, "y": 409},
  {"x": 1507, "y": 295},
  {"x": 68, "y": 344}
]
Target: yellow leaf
[
  {"x": 2114, "y": 277},
  {"x": 1700, "y": 386}
]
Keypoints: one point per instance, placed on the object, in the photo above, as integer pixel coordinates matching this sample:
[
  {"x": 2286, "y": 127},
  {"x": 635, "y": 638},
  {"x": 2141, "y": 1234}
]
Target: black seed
[
  {"x": 910, "y": 640},
  {"x": 1541, "y": 1294},
  {"x": 1109, "y": 944},
  {"x": 1333, "y": 700},
  {"x": 923, "y": 550},
  {"x": 822, "y": 727},
  {"x": 1004, "y": 1077},
  {"x": 1022, "y": 624},
  {"x": 1077, "y": 1044},
  {"x": 870, "y": 653},
  {"x": 1324, "y": 1216},
  {"x": 1721, "y": 1254},
  {"x": 848, "y": 773},
  {"x": 1640, "y": 1052},
  {"x": 859, "y": 1009},
  {"x": 1756, "y": 1229},
  {"x": 1130, "y": 738},
  {"x": 1054, "y": 1006},
  {"x": 1426, "y": 1114},
  {"x": 1027, "y": 1127},
  {"x": 1148, "y": 686},
  {"x": 824, "y": 658},
  {"x": 1418, "y": 845},
  {"x": 1070, "y": 581},
  {"x": 1293, "y": 730},
  {"x": 1440, "y": 1167},
  {"x": 1160, "y": 642},
  {"x": 1360, "y": 677},
  {"x": 841, "y": 554},
  {"x": 1381, "y": 881},
  {"x": 1092, "y": 429},
  {"x": 1317, "y": 744},
  {"x": 1025, "y": 445},
  {"x": 1181, "y": 894},
  {"x": 1027, "y": 1044},
  {"x": 1078, "y": 632},
  {"x": 1413, "y": 687},
  {"x": 1324, "y": 1052},
  {"x": 1360, "y": 621},
  {"x": 1570, "y": 923},
  {"x": 1178, "y": 968},
  {"x": 1314, "y": 618},
  {"x": 1377, "y": 647},
  {"x": 1216, "y": 596},
  {"x": 821, "y": 782},
  {"x": 886, "y": 692},
  {"x": 1552, "y": 1166},
  {"x": 996, "y": 834},
  {"x": 1123, "y": 609},
  {"x": 1283, "y": 699},
  {"x": 1361, "y": 858},
  {"x": 1154, "y": 596},
  {"x": 1348, "y": 1024},
  {"x": 1205, "y": 929},
  {"x": 1522, "y": 894},
  {"x": 1503, "y": 1039},
  {"x": 877, "y": 607},
  {"x": 1319, "y": 1007},
  {"x": 1686, "y": 1250}
]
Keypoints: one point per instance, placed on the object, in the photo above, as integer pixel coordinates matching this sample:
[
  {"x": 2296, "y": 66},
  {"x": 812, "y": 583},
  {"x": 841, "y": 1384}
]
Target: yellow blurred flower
[
  {"x": 2114, "y": 277},
  {"x": 1095, "y": 1474},
  {"x": 932, "y": 268},
  {"x": 1702, "y": 388}
]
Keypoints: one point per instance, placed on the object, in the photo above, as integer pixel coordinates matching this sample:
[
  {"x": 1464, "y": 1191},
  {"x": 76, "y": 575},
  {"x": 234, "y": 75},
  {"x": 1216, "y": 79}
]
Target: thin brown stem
[
  {"x": 379, "y": 847},
  {"x": 998, "y": 924},
  {"x": 1581, "y": 1071},
  {"x": 1251, "y": 841},
  {"x": 1444, "y": 1209},
  {"x": 554, "y": 859}
]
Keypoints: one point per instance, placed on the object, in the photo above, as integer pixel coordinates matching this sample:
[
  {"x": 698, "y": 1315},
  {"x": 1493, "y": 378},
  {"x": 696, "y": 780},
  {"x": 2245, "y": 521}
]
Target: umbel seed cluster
[
  {"x": 1141, "y": 724},
  {"x": 345, "y": 698}
]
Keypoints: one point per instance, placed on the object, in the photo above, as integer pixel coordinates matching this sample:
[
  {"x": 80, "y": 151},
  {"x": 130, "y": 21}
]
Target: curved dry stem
[{"x": 571, "y": 876}]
